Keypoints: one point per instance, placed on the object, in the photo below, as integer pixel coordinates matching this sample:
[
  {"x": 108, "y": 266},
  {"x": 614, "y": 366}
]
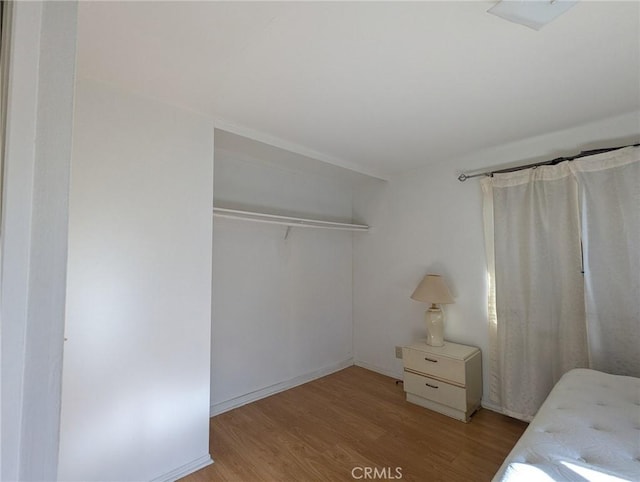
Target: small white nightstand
[{"x": 447, "y": 379}]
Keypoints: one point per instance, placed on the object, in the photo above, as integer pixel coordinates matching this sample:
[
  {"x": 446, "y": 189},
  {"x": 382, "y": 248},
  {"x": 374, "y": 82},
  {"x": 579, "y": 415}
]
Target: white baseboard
[
  {"x": 185, "y": 469},
  {"x": 221, "y": 407},
  {"x": 377, "y": 369}
]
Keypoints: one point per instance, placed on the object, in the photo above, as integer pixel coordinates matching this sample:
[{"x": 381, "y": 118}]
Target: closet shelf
[{"x": 285, "y": 220}]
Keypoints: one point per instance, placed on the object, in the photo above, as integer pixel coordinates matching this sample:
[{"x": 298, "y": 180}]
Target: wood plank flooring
[{"x": 323, "y": 430}]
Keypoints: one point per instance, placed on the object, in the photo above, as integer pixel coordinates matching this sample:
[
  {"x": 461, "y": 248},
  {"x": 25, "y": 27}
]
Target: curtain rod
[{"x": 463, "y": 177}]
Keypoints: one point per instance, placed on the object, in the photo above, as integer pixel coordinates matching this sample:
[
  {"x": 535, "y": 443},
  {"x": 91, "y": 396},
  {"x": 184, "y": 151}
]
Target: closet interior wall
[{"x": 282, "y": 303}]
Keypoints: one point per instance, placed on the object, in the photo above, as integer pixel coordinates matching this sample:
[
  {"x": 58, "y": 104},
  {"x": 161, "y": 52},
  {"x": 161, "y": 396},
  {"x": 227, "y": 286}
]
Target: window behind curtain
[{"x": 544, "y": 317}]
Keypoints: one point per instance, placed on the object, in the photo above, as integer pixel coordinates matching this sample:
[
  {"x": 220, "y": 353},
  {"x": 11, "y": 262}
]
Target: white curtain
[
  {"x": 610, "y": 203},
  {"x": 538, "y": 223},
  {"x": 540, "y": 331}
]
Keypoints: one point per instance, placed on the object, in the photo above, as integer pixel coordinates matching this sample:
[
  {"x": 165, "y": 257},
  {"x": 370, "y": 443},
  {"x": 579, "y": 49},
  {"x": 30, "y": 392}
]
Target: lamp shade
[{"x": 433, "y": 289}]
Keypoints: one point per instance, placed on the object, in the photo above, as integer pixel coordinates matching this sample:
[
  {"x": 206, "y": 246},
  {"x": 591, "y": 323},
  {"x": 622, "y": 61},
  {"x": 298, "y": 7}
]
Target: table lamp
[{"x": 432, "y": 289}]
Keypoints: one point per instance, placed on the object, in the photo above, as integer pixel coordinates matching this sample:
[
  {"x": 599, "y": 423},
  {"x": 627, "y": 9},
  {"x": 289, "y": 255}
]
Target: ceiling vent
[{"x": 532, "y": 13}]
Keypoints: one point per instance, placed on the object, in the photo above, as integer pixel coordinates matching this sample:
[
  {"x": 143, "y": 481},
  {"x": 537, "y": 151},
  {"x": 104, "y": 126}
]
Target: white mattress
[{"x": 588, "y": 428}]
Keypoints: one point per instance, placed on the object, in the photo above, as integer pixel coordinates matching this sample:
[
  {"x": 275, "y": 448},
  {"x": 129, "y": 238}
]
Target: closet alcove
[{"x": 282, "y": 293}]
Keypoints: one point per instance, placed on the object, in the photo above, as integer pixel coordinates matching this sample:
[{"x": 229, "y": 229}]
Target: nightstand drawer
[
  {"x": 434, "y": 365},
  {"x": 436, "y": 391}
]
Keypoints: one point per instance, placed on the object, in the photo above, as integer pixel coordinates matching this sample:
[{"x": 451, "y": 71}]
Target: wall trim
[
  {"x": 38, "y": 144},
  {"x": 23, "y": 52},
  {"x": 221, "y": 407},
  {"x": 186, "y": 469},
  {"x": 374, "y": 368}
]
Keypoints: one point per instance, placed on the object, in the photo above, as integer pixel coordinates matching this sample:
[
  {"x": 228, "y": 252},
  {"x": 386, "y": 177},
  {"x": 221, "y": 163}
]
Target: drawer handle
[
  {"x": 431, "y": 360},
  {"x": 429, "y": 385}
]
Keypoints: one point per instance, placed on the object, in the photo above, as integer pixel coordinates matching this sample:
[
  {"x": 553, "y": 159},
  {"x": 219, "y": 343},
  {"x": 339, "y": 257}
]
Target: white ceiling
[{"x": 373, "y": 86}]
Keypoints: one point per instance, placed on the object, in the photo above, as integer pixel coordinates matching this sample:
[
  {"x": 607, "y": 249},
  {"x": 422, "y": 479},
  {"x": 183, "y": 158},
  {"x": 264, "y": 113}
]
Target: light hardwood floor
[{"x": 324, "y": 429}]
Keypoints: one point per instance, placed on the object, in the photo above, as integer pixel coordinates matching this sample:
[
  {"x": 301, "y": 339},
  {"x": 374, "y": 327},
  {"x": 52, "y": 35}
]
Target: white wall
[
  {"x": 282, "y": 308},
  {"x": 426, "y": 220},
  {"x": 34, "y": 235},
  {"x": 135, "y": 401}
]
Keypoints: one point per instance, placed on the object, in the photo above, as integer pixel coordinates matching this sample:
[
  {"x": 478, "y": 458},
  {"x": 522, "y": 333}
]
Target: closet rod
[
  {"x": 463, "y": 177},
  {"x": 285, "y": 220}
]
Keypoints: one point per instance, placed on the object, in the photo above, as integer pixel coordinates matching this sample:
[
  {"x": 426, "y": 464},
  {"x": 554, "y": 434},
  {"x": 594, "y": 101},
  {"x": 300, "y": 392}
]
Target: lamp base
[{"x": 434, "y": 319}]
